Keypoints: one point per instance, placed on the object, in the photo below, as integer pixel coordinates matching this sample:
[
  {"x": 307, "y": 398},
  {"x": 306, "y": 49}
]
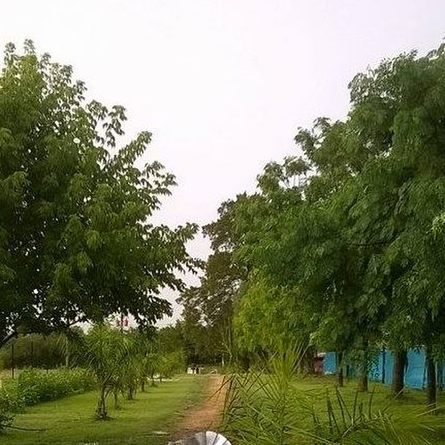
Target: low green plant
[
  {"x": 6, "y": 419},
  {"x": 36, "y": 385},
  {"x": 10, "y": 398}
]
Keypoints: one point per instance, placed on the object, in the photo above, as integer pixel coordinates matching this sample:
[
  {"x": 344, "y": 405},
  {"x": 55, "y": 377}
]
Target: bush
[
  {"x": 10, "y": 399},
  {"x": 6, "y": 419},
  {"x": 35, "y": 385}
]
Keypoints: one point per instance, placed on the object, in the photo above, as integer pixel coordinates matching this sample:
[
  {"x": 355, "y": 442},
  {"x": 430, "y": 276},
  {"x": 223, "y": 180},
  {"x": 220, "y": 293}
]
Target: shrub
[
  {"x": 10, "y": 400},
  {"x": 35, "y": 385},
  {"x": 6, "y": 419}
]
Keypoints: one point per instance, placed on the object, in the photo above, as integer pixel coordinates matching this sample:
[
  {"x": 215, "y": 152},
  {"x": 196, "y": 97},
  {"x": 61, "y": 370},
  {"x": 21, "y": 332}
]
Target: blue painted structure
[
  {"x": 382, "y": 368},
  {"x": 329, "y": 363}
]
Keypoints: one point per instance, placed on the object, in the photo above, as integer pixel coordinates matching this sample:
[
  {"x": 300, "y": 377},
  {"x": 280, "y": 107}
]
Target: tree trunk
[
  {"x": 440, "y": 376},
  {"x": 362, "y": 384},
  {"x": 307, "y": 362},
  {"x": 431, "y": 382},
  {"x": 398, "y": 375},
  {"x": 130, "y": 393},
  {"x": 245, "y": 362},
  {"x": 116, "y": 399},
  {"x": 143, "y": 384},
  {"x": 67, "y": 353},
  {"x": 340, "y": 376},
  {"x": 101, "y": 410}
]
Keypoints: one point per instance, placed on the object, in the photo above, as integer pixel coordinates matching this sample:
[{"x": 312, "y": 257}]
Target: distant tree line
[{"x": 34, "y": 350}]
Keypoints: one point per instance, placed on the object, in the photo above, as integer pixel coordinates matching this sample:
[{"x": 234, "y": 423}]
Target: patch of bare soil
[{"x": 206, "y": 415}]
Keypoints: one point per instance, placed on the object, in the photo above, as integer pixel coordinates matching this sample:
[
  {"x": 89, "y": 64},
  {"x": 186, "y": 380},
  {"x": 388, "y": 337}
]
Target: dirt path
[{"x": 205, "y": 416}]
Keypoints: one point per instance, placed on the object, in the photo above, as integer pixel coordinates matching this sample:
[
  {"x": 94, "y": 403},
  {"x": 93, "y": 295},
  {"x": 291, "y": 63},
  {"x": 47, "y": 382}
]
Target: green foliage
[
  {"x": 6, "y": 419},
  {"x": 202, "y": 342},
  {"x": 265, "y": 407},
  {"x": 208, "y": 308},
  {"x": 108, "y": 354},
  {"x": 36, "y": 385},
  {"x": 168, "y": 339},
  {"x": 170, "y": 364},
  {"x": 263, "y": 304},
  {"x": 149, "y": 367},
  {"x": 121, "y": 361},
  {"x": 344, "y": 245},
  {"x": 34, "y": 350},
  {"x": 76, "y": 238}
]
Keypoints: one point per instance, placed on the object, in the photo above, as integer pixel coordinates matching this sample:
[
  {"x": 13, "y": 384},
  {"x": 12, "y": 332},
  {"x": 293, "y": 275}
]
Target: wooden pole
[{"x": 12, "y": 361}]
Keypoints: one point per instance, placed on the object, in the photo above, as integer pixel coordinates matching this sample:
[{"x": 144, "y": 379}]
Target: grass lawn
[
  {"x": 70, "y": 421},
  {"x": 407, "y": 410}
]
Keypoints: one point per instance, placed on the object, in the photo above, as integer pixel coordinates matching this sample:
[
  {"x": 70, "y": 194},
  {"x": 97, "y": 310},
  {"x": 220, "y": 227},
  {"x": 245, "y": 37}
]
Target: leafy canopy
[{"x": 76, "y": 241}]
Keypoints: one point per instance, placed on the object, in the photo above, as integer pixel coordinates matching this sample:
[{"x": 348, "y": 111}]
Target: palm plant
[
  {"x": 265, "y": 407},
  {"x": 150, "y": 366},
  {"x": 106, "y": 352},
  {"x": 130, "y": 375}
]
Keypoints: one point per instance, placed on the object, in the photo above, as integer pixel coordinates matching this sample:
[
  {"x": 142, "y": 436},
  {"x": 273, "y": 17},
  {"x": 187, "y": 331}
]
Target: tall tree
[
  {"x": 208, "y": 308},
  {"x": 76, "y": 241}
]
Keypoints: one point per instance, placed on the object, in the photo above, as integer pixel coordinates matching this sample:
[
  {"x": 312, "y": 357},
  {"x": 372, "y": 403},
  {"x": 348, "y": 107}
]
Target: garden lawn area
[
  {"x": 71, "y": 421},
  {"x": 407, "y": 410}
]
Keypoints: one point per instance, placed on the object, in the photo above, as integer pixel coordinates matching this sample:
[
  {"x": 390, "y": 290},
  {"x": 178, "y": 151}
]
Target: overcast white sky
[{"x": 222, "y": 84}]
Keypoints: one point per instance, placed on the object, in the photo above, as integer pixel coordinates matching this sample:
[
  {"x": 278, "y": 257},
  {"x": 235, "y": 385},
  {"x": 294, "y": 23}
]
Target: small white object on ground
[{"x": 203, "y": 438}]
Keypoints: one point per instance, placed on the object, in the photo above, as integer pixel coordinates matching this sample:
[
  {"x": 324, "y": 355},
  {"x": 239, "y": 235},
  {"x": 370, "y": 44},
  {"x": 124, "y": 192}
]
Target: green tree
[
  {"x": 364, "y": 246},
  {"x": 409, "y": 178},
  {"x": 208, "y": 307},
  {"x": 76, "y": 241}
]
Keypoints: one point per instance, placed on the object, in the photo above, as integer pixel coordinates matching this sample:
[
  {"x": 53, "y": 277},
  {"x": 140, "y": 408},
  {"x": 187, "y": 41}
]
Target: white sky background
[{"x": 222, "y": 84}]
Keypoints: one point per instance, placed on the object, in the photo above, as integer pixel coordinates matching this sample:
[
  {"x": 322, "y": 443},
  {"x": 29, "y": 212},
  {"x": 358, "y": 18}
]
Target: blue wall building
[{"x": 382, "y": 368}]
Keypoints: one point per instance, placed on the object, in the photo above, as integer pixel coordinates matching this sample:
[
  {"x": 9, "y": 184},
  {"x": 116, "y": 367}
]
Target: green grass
[
  {"x": 70, "y": 421},
  {"x": 408, "y": 410}
]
